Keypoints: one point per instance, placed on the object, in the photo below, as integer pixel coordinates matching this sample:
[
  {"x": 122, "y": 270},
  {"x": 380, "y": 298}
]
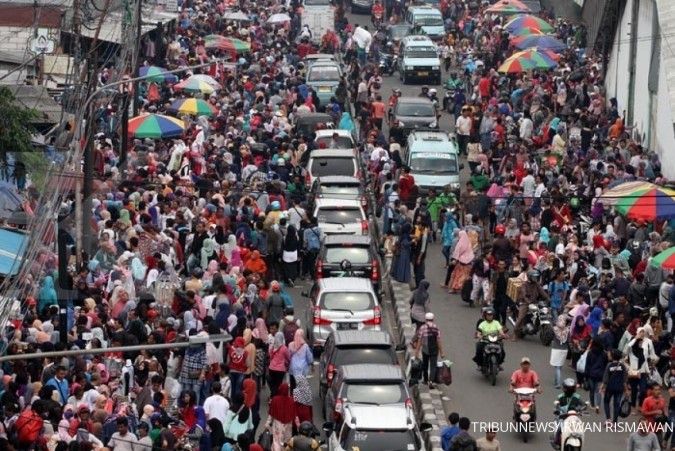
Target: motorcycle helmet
[
  {"x": 488, "y": 311},
  {"x": 569, "y": 386},
  {"x": 425, "y": 89},
  {"x": 306, "y": 428},
  {"x": 533, "y": 275},
  {"x": 500, "y": 229},
  {"x": 432, "y": 92}
]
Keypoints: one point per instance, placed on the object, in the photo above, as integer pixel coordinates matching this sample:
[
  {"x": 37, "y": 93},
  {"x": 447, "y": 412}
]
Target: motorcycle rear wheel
[{"x": 493, "y": 369}]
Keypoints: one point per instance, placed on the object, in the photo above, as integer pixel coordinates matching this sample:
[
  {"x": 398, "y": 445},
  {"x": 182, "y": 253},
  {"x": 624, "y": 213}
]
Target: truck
[{"x": 316, "y": 17}]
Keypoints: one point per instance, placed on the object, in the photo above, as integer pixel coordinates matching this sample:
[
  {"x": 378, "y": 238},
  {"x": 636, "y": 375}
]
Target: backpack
[{"x": 28, "y": 426}]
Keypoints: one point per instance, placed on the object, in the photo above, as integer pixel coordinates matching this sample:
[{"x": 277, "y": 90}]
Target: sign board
[{"x": 42, "y": 42}]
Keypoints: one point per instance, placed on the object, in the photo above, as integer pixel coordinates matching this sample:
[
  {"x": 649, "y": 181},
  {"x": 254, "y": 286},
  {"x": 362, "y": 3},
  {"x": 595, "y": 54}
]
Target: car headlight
[
  {"x": 408, "y": 68},
  {"x": 434, "y": 124},
  {"x": 436, "y": 68},
  {"x": 455, "y": 186}
]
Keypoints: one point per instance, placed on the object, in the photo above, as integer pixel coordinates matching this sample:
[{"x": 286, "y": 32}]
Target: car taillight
[
  {"x": 377, "y": 319},
  {"x": 330, "y": 372},
  {"x": 308, "y": 178},
  {"x": 317, "y": 320},
  {"x": 375, "y": 271},
  {"x": 318, "y": 269},
  {"x": 408, "y": 403},
  {"x": 364, "y": 226}
]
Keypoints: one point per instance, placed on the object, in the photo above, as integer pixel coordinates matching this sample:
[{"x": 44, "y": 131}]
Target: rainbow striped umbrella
[
  {"x": 665, "y": 259},
  {"x": 157, "y": 74},
  {"x": 195, "y": 85},
  {"x": 529, "y": 59},
  {"x": 648, "y": 202},
  {"x": 528, "y": 21},
  {"x": 234, "y": 45},
  {"x": 155, "y": 126},
  {"x": 195, "y": 107},
  {"x": 541, "y": 41},
  {"x": 526, "y": 31},
  {"x": 508, "y": 7},
  {"x": 206, "y": 79}
]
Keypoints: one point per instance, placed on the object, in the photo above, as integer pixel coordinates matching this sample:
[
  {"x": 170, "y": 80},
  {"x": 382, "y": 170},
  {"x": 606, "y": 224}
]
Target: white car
[
  {"x": 341, "y": 216},
  {"x": 344, "y": 139},
  {"x": 324, "y": 162}
]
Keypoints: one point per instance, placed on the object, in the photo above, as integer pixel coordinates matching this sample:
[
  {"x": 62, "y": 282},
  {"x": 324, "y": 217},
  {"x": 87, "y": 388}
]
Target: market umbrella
[
  {"x": 155, "y": 126},
  {"x": 665, "y": 259},
  {"x": 508, "y": 7},
  {"x": 279, "y": 18},
  {"x": 529, "y": 59},
  {"x": 623, "y": 189},
  {"x": 542, "y": 41},
  {"x": 157, "y": 74},
  {"x": 193, "y": 85},
  {"x": 206, "y": 79},
  {"x": 648, "y": 203},
  {"x": 526, "y": 31},
  {"x": 236, "y": 15},
  {"x": 234, "y": 45},
  {"x": 528, "y": 21},
  {"x": 195, "y": 107}
]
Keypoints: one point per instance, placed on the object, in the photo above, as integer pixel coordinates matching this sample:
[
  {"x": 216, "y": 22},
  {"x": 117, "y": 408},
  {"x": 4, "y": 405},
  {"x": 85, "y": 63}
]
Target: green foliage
[{"x": 16, "y": 124}]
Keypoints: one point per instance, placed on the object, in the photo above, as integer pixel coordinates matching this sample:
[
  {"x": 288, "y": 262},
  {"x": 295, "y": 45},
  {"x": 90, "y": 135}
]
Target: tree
[{"x": 16, "y": 124}]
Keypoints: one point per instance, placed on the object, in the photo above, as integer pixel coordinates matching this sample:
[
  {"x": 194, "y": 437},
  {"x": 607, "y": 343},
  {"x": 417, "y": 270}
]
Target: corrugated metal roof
[
  {"x": 12, "y": 15},
  {"x": 666, "y": 15}
]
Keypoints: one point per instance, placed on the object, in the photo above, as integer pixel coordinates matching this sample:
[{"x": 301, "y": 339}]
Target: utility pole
[
  {"x": 136, "y": 53},
  {"x": 64, "y": 285}
]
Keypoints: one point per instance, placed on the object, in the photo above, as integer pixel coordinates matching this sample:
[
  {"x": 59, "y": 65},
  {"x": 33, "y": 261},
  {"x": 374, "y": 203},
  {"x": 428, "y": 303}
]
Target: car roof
[
  {"x": 327, "y": 179},
  {"x": 361, "y": 337},
  {"x": 430, "y": 136},
  {"x": 346, "y": 284},
  {"x": 387, "y": 417},
  {"x": 424, "y": 8},
  {"x": 411, "y": 99},
  {"x": 348, "y": 239},
  {"x": 325, "y": 63},
  {"x": 333, "y": 202},
  {"x": 335, "y": 153},
  {"x": 372, "y": 372},
  {"x": 329, "y": 132},
  {"x": 320, "y": 56},
  {"x": 418, "y": 40}
]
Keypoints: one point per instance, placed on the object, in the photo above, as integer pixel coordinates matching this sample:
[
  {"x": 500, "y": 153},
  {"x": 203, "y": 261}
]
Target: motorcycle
[
  {"x": 449, "y": 101},
  {"x": 537, "y": 320},
  {"x": 388, "y": 63},
  {"x": 524, "y": 411},
  {"x": 571, "y": 429},
  {"x": 489, "y": 364}
]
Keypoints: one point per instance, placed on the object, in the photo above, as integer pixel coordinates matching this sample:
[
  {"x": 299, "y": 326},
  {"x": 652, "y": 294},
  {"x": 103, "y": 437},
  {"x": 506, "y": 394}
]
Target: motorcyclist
[
  {"x": 488, "y": 326},
  {"x": 568, "y": 400},
  {"x": 303, "y": 440},
  {"x": 502, "y": 249},
  {"x": 525, "y": 377},
  {"x": 425, "y": 92},
  {"x": 433, "y": 96},
  {"x": 393, "y": 100},
  {"x": 530, "y": 292},
  {"x": 377, "y": 12}
]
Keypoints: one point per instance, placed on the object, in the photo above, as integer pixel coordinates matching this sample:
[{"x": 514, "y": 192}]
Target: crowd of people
[{"x": 202, "y": 234}]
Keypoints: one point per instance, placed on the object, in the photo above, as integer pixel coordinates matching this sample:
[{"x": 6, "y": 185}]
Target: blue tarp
[{"x": 12, "y": 249}]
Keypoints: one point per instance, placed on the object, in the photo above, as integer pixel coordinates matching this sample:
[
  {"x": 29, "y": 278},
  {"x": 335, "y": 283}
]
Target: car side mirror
[
  {"x": 426, "y": 427},
  {"x": 328, "y": 427}
]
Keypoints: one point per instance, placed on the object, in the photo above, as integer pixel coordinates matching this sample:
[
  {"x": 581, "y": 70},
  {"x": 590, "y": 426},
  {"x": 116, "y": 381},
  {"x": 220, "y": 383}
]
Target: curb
[{"x": 428, "y": 403}]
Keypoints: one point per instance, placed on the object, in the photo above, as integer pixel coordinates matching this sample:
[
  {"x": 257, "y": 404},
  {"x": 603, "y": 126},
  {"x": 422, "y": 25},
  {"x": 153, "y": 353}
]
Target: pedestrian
[
  {"x": 239, "y": 420},
  {"x": 280, "y": 417},
  {"x": 303, "y": 398},
  {"x": 489, "y": 442},
  {"x": 559, "y": 348},
  {"x": 643, "y": 438},
  {"x": 400, "y": 265},
  {"x": 301, "y": 358},
  {"x": 420, "y": 241},
  {"x": 463, "y": 256},
  {"x": 291, "y": 249},
  {"x": 614, "y": 385},
  {"x": 122, "y": 439},
  {"x": 449, "y": 431},
  {"x": 420, "y": 303},
  {"x": 463, "y": 440},
  {"x": 428, "y": 344},
  {"x": 639, "y": 351},
  {"x": 596, "y": 362}
]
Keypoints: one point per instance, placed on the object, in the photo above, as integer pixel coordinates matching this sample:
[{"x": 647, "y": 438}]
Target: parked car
[
  {"x": 307, "y": 123},
  {"x": 412, "y": 113},
  {"x": 324, "y": 77},
  {"x": 358, "y": 250},
  {"x": 325, "y": 162},
  {"x": 347, "y": 347},
  {"x": 334, "y": 139},
  {"x": 367, "y": 383},
  {"x": 338, "y": 187},
  {"x": 341, "y": 216}
]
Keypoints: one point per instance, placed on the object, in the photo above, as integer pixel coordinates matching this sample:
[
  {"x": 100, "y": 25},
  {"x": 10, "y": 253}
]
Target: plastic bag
[
  {"x": 444, "y": 372},
  {"x": 581, "y": 363}
]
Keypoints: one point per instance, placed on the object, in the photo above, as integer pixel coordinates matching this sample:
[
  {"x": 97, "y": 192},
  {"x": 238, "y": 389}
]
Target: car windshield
[
  {"x": 323, "y": 73},
  {"x": 375, "y": 393},
  {"x": 323, "y": 166},
  {"x": 340, "y": 190},
  {"x": 370, "y": 354},
  {"x": 342, "y": 300},
  {"x": 341, "y": 142},
  {"x": 434, "y": 165},
  {"x": 386, "y": 440},
  {"x": 415, "y": 109},
  {"x": 399, "y": 32},
  {"x": 339, "y": 215},
  {"x": 356, "y": 255},
  {"x": 430, "y": 21},
  {"x": 421, "y": 52}
]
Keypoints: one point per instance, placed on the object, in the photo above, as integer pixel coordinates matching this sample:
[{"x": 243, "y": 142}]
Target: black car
[
  {"x": 306, "y": 124},
  {"x": 358, "y": 250},
  {"x": 411, "y": 113}
]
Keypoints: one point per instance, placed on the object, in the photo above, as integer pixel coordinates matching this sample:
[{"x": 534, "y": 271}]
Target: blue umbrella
[{"x": 541, "y": 41}]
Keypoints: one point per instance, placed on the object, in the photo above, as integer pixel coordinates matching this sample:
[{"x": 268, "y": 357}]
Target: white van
[{"x": 433, "y": 159}]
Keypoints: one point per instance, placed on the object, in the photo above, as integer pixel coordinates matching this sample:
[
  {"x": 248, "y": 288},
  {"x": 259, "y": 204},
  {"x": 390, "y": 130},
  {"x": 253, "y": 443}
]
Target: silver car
[{"x": 341, "y": 303}]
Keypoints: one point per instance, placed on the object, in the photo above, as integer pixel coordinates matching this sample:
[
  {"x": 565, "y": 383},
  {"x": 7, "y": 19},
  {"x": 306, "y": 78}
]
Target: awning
[{"x": 13, "y": 246}]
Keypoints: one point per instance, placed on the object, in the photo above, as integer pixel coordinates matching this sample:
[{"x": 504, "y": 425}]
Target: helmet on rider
[
  {"x": 488, "y": 311},
  {"x": 425, "y": 89},
  {"x": 432, "y": 92},
  {"x": 569, "y": 386},
  {"x": 306, "y": 428},
  {"x": 500, "y": 229},
  {"x": 533, "y": 275}
]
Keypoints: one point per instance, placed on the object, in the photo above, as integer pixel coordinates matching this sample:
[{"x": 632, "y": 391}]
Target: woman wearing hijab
[
  {"x": 559, "y": 348},
  {"x": 47, "y": 294},
  {"x": 275, "y": 304},
  {"x": 281, "y": 417},
  {"x": 302, "y": 395},
  {"x": 238, "y": 420},
  {"x": 419, "y": 303},
  {"x": 191, "y": 413},
  {"x": 595, "y": 318},
  {"x": 596, "y": 361},
  {"x": 463, "y": 255},
  {"x": 640, "y": 350},
  {"x": 260, "y": 331},
  {"x": 580, "y": 337},
  {"x": 400, "y": 265},
  {"x": 289, "y": 256},
  {"x": 209, "y": 252},
  {"x": 302, "y": 358},
  {"x": 279, "y": 359}
]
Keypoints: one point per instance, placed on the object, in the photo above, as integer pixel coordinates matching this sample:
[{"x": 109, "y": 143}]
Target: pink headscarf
[
  {"x": 463, "y": 251},
  {"x": 260, "y": 330},
  {"x": 298, "y": 340}
]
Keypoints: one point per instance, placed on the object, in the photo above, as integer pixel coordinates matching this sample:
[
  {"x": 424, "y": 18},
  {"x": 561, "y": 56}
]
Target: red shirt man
[
  {"x": 654, "y": 404},
  {"x": 524, "y": 377},
  {"x": 405, "y": 184}
]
